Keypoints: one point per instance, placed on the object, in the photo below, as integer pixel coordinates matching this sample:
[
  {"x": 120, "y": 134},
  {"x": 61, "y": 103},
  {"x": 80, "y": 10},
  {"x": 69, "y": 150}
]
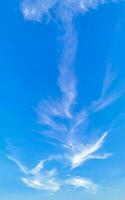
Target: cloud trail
[
  {"x": 67, "y": 80},
  {"x": 58, "y": 117},
  {"x": 22, "y": 168},
  {"x": 108, "y": 95},
  {"x": 66, "y": 83}
]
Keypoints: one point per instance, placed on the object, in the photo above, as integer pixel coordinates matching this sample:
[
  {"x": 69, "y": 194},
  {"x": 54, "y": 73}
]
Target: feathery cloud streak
[
  {"x": 87, "y": 152},
  {"x": 108, "y": 94}
]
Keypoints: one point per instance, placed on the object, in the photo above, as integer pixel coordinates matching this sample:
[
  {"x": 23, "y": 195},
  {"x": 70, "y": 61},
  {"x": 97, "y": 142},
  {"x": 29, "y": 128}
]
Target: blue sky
[{"x": 62, "y": 100}]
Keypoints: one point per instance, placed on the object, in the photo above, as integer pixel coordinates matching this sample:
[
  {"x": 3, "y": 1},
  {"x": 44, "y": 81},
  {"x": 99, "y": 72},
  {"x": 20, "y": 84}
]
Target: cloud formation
[
  {"x": 40, "y": 179},
  {"x": 58, "y": 117}
]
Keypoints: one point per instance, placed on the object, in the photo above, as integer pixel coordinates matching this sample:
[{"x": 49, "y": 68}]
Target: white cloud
[
  {"x": 108, "y": 94},
  {"x": 36, "y": 184},
  {"x": 62, "y": 107},
  {"x": 42, "y": 183},
  {"x": 109, "y": 79},
  {"x": 22, "y": 168},
  {"x": 54, "y": 113},
  {"x": 38, "y": 178},
  {"x": 87, "y": 152},
  {"x": 63, "y": 9},
  {"x": 79, "y": 182},
  {"x": 36, "y": 9},
  {"x": 38, "y": 167}
]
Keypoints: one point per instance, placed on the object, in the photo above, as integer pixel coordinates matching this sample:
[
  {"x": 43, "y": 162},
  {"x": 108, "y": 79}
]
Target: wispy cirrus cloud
[
  {"x": 80, "y": 182},
  {"x": 42, "y": 183},
  {"x": 86, "y": 152},
  {"x": 58, "y": 117},
  {"x": 108, "y": 94},
  {"x": 38, "y": 177},
  {"x": 22, "y": 168}
]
